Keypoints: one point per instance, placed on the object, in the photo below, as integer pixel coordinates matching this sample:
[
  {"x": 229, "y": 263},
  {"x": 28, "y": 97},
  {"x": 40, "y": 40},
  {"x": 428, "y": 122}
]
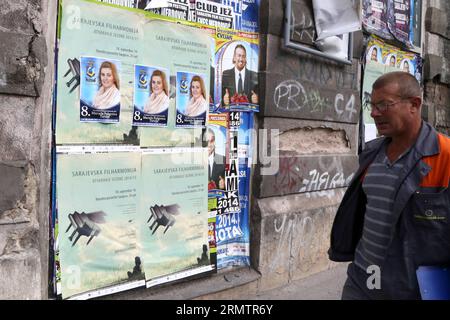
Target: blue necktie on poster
[{"x": 434, "y": 282}]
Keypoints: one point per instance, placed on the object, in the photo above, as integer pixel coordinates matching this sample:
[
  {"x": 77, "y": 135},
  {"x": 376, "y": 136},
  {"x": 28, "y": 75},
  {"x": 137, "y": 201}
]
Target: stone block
[
  {"x": 437, "y": 100},
  {"x": 22, "y": 61},
  {"x": 294, "y": 236},
  {"x": 445, "y": 78},
  {"x": 290, "y": 97},
  {"x": 20, "y": 276},
  {"x": 306, "y": 174},
  {"x": 358, "y": 44},
  {"x": 20, "y": 262},
  {"x": 12, "y": 184},
  {"x": 311, "y": 241},
  {"x": 436, "y": 21},
  {"x": 16, "y": 127},
  {"x": 22, "y": 16},
  {"x": 323, "y": 72},
  {"x": 433, "y": 67},
  {"x": 271, "y": 17}
]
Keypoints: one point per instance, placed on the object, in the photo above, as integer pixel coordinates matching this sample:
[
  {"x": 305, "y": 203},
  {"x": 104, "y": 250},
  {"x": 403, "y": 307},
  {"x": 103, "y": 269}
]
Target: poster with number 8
[
  {"x": 151, "y": 96},
  {"x": 99, "y": 90},
  {"x": 192, "y": 100}
]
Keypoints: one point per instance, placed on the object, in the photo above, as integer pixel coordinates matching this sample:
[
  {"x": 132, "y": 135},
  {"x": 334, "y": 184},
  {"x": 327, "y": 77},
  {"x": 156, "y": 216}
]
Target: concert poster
[
  {"x": 97, "y": 196},
  {"x": 174, "y": 216}
]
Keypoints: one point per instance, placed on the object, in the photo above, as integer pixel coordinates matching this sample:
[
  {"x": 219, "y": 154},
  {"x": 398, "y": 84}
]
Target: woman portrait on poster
[
  {"x": 374, "y": 54},
  {"x": 108, "y": 94},
  {"x": 158, "y": 101},
  {"x": 405, "y": 66},
  {"x": 391, "y": 60},
  {"x": 197, "y": 103}
]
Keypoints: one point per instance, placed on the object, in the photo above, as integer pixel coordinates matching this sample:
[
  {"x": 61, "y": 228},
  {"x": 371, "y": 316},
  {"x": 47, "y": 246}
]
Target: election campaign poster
[
  {"x": 97, "y": 196},
  {"x": 123, "y": 3},
  {"x": 375, "y": 17},
  {"x": 216, "y": 137},
  {"x": 245, "y": 13},
  {"x": 214, "y": 14},
  {"x": 151, "y": 96},
  {"x": 212, "y": 240},
  {"x": 242, "y": 15},
  {"x": 232, "y": 230},
  {"x": 394, "y": 19},
  {"x": 236, "y": 71},
  {"x": 228, "y": 202},
  {"x": 177, "y": 9},
  {"x": 382, "y": 58},
  {"x": 174, "y": 214},
  {"x": 399, "y": 20},
  {"x": 384, "y": 54},
  {"x": 243, "y": 122}
]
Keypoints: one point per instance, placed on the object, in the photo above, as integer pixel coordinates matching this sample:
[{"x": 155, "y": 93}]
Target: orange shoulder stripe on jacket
[{"x": 439, "y": 176}]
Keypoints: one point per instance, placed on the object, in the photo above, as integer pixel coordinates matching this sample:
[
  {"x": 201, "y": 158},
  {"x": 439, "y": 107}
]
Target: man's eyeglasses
[{"x": 383, "y": 105}]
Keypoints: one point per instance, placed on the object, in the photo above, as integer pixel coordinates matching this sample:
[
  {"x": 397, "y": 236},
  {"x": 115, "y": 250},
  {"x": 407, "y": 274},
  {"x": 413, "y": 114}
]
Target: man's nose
[{"x": 374, "y": 112}]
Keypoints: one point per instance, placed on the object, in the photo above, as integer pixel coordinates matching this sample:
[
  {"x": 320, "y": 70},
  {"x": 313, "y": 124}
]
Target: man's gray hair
[{"x": 407, "y": 83}]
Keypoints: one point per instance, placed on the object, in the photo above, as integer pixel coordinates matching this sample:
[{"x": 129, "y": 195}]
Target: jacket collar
[{"x": 427, "y": 143}]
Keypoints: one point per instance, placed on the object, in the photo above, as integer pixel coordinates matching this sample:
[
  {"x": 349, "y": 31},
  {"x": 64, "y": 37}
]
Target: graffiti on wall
[
  {"x": 297, "y": 175},
  {"x": 291, "y": 95}
]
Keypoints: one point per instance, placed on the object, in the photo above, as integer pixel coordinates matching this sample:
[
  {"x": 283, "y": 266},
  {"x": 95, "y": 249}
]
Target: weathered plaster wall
[
  {"x": 27, "y": 35},
  {"x": 437, "y": 64},
  {"x": 314, "y": 103}
]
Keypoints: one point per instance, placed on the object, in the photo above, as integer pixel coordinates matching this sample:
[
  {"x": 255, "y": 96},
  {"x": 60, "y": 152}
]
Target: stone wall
[
  {"x": 27, "y": 31},
  {"x": 437, "y": 64},
  {"x": 313, "y": 102},
  {"x": 315, "y": 105}
]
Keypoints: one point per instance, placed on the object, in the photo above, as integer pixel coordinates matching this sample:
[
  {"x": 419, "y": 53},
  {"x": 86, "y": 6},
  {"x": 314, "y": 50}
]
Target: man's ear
[{"x": 416, "y": 102}]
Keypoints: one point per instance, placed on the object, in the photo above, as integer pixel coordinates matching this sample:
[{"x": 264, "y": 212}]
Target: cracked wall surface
[
  {"x": 313, "y": 103},
  {"x": 437, "y": 65},
  {"x": 23, "y": 56},
  {"x": 314, "y": 141},
  {"x": 27, "y": 31}
]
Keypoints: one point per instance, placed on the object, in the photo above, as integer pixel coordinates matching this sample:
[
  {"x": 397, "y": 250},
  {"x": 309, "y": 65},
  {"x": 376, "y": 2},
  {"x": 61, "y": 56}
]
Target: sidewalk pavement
[{"x": 326, "y": 285}]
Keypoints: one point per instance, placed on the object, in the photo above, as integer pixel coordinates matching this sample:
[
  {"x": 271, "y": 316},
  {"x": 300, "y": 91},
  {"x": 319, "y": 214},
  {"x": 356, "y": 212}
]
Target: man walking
[{"x": 394, "y": 215}]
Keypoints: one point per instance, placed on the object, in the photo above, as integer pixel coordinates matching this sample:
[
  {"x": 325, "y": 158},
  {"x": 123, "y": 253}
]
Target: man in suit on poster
[
  {"x": 216, "y": 163},
  {"x": 239, "y": 84}
]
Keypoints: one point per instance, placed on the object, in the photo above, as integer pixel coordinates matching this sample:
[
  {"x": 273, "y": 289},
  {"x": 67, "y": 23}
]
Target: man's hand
[
  {"x": 254, "y": 97},
  {"x": 226, "y": 97}
]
